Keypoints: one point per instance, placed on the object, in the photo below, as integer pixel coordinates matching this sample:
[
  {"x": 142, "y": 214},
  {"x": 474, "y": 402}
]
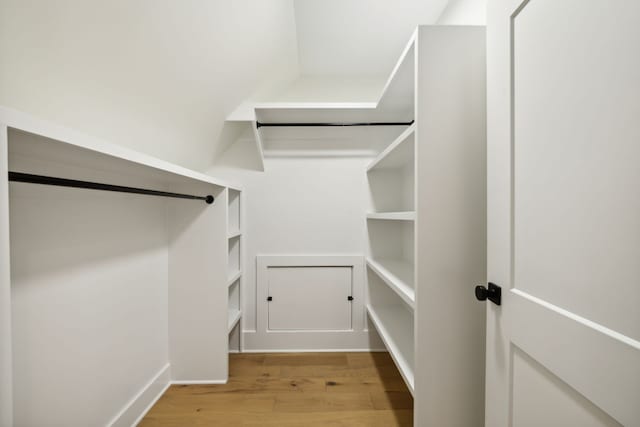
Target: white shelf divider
[
  {"x": 398, "y": 275},
  {"x": 394, "y": 216},
  {"x": 234, "y": 318},
  {"x": 395, "y": 327}
]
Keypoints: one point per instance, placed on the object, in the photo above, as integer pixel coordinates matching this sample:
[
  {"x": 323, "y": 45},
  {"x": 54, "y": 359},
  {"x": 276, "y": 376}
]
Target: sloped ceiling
[{"x": 357, "y": 37}]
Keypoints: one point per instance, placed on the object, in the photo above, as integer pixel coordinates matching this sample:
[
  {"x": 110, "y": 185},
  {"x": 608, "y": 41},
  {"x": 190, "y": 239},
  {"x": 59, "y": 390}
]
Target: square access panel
[{"x": 310, "y": 298}]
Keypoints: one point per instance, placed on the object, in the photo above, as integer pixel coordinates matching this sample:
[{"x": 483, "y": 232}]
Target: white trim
[
  {"x": 586, "y": 322},
  {"x": 151, "y": 404},
  {"x": 6, "y": 356},
  {"x": 149, "y": 394},
  {"x": 198, "y": 382},
  {"x": 324, "y": 350}
]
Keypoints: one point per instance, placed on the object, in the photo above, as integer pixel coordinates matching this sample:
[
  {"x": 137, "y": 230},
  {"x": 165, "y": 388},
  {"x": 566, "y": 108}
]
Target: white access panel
[{"x": 310, "y": 298}]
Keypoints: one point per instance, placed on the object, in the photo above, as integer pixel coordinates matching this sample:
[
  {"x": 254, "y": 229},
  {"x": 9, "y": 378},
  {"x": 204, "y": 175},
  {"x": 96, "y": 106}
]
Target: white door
[{"x": 563, "y": 349}]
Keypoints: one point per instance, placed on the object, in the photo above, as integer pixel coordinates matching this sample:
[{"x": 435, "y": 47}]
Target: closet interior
[{"x": 197, "y": 284}]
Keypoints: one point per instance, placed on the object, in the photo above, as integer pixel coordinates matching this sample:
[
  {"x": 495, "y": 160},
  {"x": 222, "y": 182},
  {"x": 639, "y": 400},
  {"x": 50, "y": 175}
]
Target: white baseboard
[
  {"x": 324, "y": 350},
  {"x": 198, "y": 382},
  {"x": 133, "y": 412},
  {"x": 311, "y": 341}
]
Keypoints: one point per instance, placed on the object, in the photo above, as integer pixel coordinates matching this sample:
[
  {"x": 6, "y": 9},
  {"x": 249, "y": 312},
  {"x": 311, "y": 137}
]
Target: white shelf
[
  {"x": 399, "y": 153},
  {"x": 394, "y": 216},
  {"x": 98, "y": 154},
  {"x": 234, "y": 234},
  {"x": 233, "y": 319},
  {"x": 233, "y": 277},
  {"x": 394, "y": 104},
  {"x": 398, "y": 275},
  {"x": 395, "y": 327}
]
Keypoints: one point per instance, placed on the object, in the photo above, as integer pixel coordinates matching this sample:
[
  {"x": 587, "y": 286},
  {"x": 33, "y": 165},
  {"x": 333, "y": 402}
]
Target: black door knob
[
  {"x": 493, "y": 293},
  {"x": 481, "y": 293}
]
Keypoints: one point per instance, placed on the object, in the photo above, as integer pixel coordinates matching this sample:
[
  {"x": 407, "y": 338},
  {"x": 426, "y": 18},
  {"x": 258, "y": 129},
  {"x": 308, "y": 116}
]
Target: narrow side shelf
[
  {"x": 397, "y": 216},
  {"x": 395, "y": 327},
  {"x": 233, "y": 319},
  {"x": 234, "y": 233},
  {"x": 399, "y": 153},
  {"x": 398, "y": 275},
  {"x": 233, "y": 277}
]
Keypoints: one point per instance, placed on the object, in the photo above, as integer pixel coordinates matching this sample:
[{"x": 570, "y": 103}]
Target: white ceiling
[{"x": 357, "y": 37}]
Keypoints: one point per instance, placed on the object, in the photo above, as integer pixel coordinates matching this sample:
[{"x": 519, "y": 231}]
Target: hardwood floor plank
[
  {"x": 400, "y": 418},
  {"x": 287, "y": 390},
  {"x": 306, "y": 359},
  {"x": 392, "y": 399},
  {"x": 321, "y": 402}
]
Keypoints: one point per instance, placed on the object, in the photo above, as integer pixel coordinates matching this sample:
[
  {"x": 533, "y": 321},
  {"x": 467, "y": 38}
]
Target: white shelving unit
[
  {"x": 391, "y": 231},
  {"x": 178, "y": 259},
  {"x": 234, "y": 268},
  {"x": 426, "y": 238}
]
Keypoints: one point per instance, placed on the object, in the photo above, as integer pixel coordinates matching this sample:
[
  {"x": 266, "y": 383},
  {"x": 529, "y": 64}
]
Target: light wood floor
[{"x": 302, "y": 389}]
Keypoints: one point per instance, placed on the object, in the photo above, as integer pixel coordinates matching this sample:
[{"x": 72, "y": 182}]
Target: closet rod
[
  {"x": 333, "y": 124},
  {"x": 63, "y": 182}
]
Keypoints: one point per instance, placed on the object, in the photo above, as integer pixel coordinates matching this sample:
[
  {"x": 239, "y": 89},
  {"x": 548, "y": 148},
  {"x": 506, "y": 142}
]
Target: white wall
[
  {"x": 357, "y": 37},
  {"x": 89, "y": 302},
  {"x": 464, "y": 12},
  {"x": 301, "y": 206},
  {"x": 158, "y": 76}
]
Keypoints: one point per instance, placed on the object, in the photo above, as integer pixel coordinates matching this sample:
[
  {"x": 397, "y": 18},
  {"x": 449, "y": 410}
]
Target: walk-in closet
[{"x": 310, "y": 213}]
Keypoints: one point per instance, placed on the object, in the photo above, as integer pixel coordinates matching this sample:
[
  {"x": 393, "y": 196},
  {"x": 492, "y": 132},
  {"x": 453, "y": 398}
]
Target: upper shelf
[
  {"x": 394, "y": 104},
  {"x": 72, "y": 147}
]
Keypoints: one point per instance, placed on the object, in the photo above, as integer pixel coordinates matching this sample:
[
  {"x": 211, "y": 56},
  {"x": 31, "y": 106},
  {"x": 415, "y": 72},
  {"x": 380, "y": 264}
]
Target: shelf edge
[
  {"x": 380, "y": 270},
  {"x": 393, "y": 216},
  {"x": 232, "y": 279},
  {"x": 237, "y": 314},
  {"x": 403, "y": 366}
]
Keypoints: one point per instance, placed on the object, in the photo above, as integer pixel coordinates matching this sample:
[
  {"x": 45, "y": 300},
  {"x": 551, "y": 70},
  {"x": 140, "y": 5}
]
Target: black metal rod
[
  {"x": 63, "y": 182},
  {"x": 335, "y": 124}
]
